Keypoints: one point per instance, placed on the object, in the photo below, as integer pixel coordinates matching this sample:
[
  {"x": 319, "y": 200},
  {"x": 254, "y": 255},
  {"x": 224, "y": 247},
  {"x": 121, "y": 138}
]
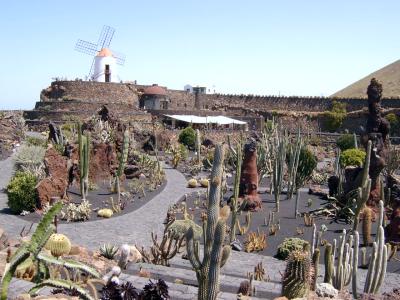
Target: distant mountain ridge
[{"x": 388, "y": 75}]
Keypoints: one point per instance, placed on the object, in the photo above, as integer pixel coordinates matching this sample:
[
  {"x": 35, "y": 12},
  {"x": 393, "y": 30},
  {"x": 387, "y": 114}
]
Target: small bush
[
  {"x": 187, "y": 137},
  {"x": 334, "y": 118},
  {"x": 307, "y": 164},
  {"x": 352, "y": 157},
  {"x": 345, "y": 142},
  {"x": 30, "y": 156},
  {"x": 34, "y": 141},
  {"x": 22, "y": 193},
  {"x": 289, "y": 245},
  {"x": 394, "y": 123}
]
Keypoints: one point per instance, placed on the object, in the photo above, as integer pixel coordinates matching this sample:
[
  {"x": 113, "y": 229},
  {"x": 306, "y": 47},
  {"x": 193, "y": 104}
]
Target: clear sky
[{"x": 297, "y": 47}]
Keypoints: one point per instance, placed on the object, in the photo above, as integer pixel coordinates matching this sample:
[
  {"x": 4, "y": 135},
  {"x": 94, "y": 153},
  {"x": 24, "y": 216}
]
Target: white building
[
  {"x": 201, "y": 89},
  {"x": 105, "y": 67}
]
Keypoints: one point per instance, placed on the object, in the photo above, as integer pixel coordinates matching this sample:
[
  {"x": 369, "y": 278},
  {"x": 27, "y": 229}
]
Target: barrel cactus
[
  {"x": 58, "y": 245},
  {"x": 297, "y": 276},
  {"x": 105, "y": 213}
]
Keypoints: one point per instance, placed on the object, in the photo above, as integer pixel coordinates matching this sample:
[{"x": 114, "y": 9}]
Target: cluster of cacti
[
  {"x": 265, "y": 150},
  {"x": 178, "y": 153},
  {"x": 105, "y": 213},
  {"x": 364, "y": 189},
  {"x": 32, "y": 249},
  {"x": 77, "y": 212},
  {"x": 215, "y": 254},
  {"x": 279, "y": 166},
  {"x": 255, "y": 241},
  {"x": 297, "y": 277},
  {"x": 378, "y": 260},
  {"x": 340, "y": 276},
  {"x": 259, "y": 272},
  {"x": 84, "y": 150},
  {"x": 293, "y": 154},
  {"x": 124, "y": 252},
  {"x": 58, "y": 244},
  {"x": 108, "y": 251},
  {"x": 289, "y": 245},
  {"x": 123, "y": 157},
  {"x": 162, "y": 252},
  {"x": 178, "y": 228},
  {"x": 243, "y": 229},
  {"x": 56, "y": 135}
]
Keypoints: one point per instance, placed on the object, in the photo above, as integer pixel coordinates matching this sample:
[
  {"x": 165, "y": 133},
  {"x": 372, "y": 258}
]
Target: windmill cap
[{"x": 105, "y": 52}]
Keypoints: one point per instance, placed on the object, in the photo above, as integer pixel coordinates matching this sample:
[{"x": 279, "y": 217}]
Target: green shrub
[
  {"x": 289, "y": 245},
  {"x": 394, "y": 123},
  {"x": 188, "y": 137},
  {"x": 22, "y": 193},
  {"x": 307, "y": 164},
  {"x": 34, "y": 141},
  {"x": 334, "y": 118},
  {"x": 345, "y": 142},
  {"x": 352, "y": 157}
]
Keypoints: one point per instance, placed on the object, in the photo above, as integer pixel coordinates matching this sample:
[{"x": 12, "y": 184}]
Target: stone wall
[{"x": 107, "y": 92}]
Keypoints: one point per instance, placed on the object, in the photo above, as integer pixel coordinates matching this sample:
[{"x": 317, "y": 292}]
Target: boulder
[
  {"x": 132, "y": 171},
  {"x": 56, "y": 165},
  {"x": 134, "y": 255},
  {"x": 50, "y": 187},
  {"x": 326, "y": 290}
]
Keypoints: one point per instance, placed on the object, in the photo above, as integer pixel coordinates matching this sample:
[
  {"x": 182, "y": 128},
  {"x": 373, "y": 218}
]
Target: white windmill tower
[{"x": 104, "y": 65}]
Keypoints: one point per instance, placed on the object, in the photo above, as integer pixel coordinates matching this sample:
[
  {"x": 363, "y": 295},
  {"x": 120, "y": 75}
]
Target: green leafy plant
[
  {"x": 187, "y": 137},
  {"x": 288, "y": 246},
  {"x": 345, "y": 142},
  {"x": 352, "y": 157},
  {"x": 22, "y": 193},
  {"x": 394, "y": 122},
  {"x": 307, "y": 164},
  {"x": 334, "y": 118},
  {"x": 35, "y": 141}
]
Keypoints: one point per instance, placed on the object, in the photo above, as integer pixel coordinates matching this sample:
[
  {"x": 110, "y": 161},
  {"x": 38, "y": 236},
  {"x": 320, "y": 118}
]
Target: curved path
[{"x": 131, "y": 228}]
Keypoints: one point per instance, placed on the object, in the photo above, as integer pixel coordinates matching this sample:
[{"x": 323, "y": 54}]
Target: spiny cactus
[
  {"x": 328, "y": 261},
  {"x": 366, "y": 225},
  {"x": 378, "y": 261},
  {"x": 198, "y": 147},
  {"x": 58, "y": 245},
  {"x": 293, "y": 163},
  {"x": 84, "y": 149},
  {"x": 105, "y": 213},
  {"x": 297, "y": 276},
  {"x": 244, "y": 228},
  {"x": 279, "y": 166},
  {"x": 364, "y": 189},
  {"x": 215, "y": 254},
  {"x": 123, "y": 157},
  {"x": 124, "y": 255},
  {"x": 315, "y": 260}
]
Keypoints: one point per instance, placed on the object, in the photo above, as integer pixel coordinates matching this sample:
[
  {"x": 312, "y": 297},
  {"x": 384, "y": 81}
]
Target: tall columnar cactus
[
  {"x": 355, "y": 264},
  {"x": 234, "y": 201},
  {"x": 364, "y": 189},
  {"x": 123, "y": 157},
  {"x": 293, "y": 163},
  {"x": 215, "y": 254},
  {"x": 278, "y": 167},
  {"x": 297, "y": 276},
  {"x": 378, "y": 261},
  {"x": 198, "y": 146},
  {"x": 84, "y": 148},
  {"x": 340, "y": 275},
  {"x": 328, "y": 261},
  {"x": 315, "y": 260},
  {"x": 355, "y": 141},
  {"x": 366, "y": 226}
]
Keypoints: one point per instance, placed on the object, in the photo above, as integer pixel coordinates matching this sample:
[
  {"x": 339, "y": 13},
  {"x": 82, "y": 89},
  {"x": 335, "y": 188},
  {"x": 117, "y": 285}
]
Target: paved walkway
[{"x": 131, "y": 228}]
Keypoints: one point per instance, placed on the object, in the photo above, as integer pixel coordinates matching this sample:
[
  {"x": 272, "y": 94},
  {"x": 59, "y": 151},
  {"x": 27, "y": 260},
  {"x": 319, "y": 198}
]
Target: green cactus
[
  {"x": 293, "y": 163},
  {"x": 315, "y": 260},
  {"x": 198, "y": 147},
  {"x": 234, "y": 200},
  {"x": 355, "y": 264},
  {"x": 215, "y": 254},
  {"x": 364, "y": 189},
  {"x": 84, "y": 149},
  {"x": 278, "y": 166},
  {"x": 63, "y": 284},
  {"x": 378, "y": 261},
  {"x": 328, "y": 260},
  {"x": 297, "y": 276},
  {"x": 123, "y": 157}
]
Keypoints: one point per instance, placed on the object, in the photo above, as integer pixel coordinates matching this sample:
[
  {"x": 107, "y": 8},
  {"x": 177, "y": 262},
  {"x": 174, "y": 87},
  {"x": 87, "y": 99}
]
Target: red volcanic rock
[
  {"x": 102, "y": 161},
  {"x": 56, "y": 164},
  {"x": 50, "y": 187},
  {"x": 249, "y": 179}
]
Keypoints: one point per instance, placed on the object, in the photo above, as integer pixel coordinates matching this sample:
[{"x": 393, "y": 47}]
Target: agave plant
[{"x": 108, "y": 251}]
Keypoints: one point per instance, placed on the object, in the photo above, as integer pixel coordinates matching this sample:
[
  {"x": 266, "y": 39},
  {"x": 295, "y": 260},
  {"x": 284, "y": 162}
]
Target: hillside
[{"x": 388, "y": 75}]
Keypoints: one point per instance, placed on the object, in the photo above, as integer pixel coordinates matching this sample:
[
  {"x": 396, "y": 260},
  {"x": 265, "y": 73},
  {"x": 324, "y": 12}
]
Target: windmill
[{"x": 103, "y": 65}]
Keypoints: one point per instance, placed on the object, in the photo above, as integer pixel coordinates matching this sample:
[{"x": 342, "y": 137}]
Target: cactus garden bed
[
  {"x": 289, "y": 225},
  {"x": 100, "y": 198}
]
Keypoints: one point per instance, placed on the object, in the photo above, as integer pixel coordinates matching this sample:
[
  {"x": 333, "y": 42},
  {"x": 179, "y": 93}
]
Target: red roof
[{"x": 155, "y": 90}]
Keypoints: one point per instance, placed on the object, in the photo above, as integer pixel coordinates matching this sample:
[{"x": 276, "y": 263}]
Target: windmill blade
[
  {"x": 119, "y": 57},
  {"x": 86, "y": 47},
  {"x": 106, "y": 36}
]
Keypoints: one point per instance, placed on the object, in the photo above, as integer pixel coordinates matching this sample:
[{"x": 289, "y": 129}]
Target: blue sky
[{"x": 295, "y": 47}]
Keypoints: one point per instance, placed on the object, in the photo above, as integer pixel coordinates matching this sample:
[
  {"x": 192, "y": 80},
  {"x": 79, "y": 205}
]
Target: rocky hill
[{"x": 388, "y": 75}]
